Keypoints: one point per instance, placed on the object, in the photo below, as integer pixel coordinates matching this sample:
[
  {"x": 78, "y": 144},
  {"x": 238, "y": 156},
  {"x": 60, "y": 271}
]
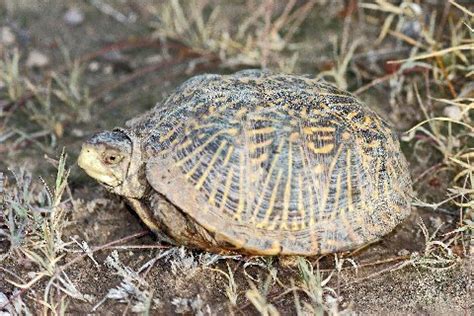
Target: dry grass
[
  {"x": 231, "y": 289},
  {"x": 451, "y": 133},
  {"x": 263, "y": 36},
  {"x": 10, "y": 75},
  {"x": 258, "y": 298},
  {"x": 314, "y": 285},
  {"x": 133, "y": 290},
  {"x": 35, "y": 222},
  {"x": 39, "y": 111}
]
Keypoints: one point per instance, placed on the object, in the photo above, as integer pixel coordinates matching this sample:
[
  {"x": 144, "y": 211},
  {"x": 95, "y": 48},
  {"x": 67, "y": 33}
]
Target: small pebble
[
  {"x": 3, "y": 298},
  {"x": 453, "y": 112},
  {"x": 154, "y": 59},
  {"x": 94, "y": 66},
  {"x": 37, "y": 59},
  {"x": 74, "y": 17},
  {"x": 108, "y": 69},
  {"x": 78, "y": 132},
  {"x": 403, "y": 252},
  {"x": 6, "y": 36},
  {"x": 467, "y": 91},
  {"x": 415, "y": 8}
]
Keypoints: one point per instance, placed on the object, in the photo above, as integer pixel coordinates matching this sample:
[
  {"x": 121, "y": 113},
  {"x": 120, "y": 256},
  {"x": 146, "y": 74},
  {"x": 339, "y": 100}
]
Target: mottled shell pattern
[{"x": 276, "y": 163}]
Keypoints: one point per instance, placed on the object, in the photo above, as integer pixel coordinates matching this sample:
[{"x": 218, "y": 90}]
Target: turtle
[{"x": 257, "y": 163}]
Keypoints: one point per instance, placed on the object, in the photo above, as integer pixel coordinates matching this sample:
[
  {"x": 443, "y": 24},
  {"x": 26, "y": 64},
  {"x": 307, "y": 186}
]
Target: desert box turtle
[{"x": 258, "y": 163}]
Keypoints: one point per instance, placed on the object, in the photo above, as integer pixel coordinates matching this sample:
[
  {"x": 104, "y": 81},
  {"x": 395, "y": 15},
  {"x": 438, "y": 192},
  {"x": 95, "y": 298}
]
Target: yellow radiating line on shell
[
  {"x": 287, "y": 194},
  {"x": 325, "y": 137},
  {"x": 225, "y": 194},
  {"x": 168, "y": 135},
  {"x": 349, "y": 182},
  {"x": 260, "y": 118},
  {"x": 271, "y": 205},
  {"x": 318, "y": 129},
  {"x": 367, "y": 121},
  {"x": 350, "y": 207},
  {"x": 300, "y": 200},
  {"x": 309, "y": 190},
  {"x": 267, "y": 179},
  {"x": 193, "y": 170},
  {"x": 188, "y": 142},
  {"x": 241, "y": 205},
  {"x": 212, "y": 197},
  {"x": 328, "y": 182},
  {"x": 170, "y": 146},
  {"x": 351, "y": 115},
  {"x": 263, "y": 130},
  {"x": 258, "y": 160},
  {"x": 254, "y": 146},
  {"x": 198, "y": 127},
  {"x": 274, "y": 223},
  {"x": 198, "y": 149},
  {"x": 206, "y": 172},
  {"x": 241, "y": 112},
  {"x": 228, "y": 156},
  {"x": 321, "y": 150}
]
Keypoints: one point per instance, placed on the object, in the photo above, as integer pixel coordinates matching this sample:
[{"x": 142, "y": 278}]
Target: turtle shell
[{"x": 276, "y": 163}]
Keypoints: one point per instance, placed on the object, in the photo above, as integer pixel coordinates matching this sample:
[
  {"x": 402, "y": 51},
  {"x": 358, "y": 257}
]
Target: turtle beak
[{"x": 90, "y": 160}]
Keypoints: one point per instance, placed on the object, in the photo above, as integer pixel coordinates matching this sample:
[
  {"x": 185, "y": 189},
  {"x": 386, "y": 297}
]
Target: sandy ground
[{"x": 389, "y": 278}]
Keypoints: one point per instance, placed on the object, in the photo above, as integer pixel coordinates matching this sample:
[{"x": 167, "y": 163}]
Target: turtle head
[{"x": 113, "y": 158}]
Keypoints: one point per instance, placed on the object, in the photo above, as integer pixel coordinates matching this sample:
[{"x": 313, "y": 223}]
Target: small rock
[
  {"x": 154, "y": 59},
  {"x": 108, "y": 69},
  {"x": 94, "y": 66},
  {"x": 6, "y": 36},
  {"x": 76, "y": 132},
  {"x": 73, "y": 17},
  {"x": 412, "y": 27},
  {"x": 403, "y": 252},
  {"x": 37, "y": 59},
  {"x": 453, "y": 112},
  {"x": 467, "y": 91}
]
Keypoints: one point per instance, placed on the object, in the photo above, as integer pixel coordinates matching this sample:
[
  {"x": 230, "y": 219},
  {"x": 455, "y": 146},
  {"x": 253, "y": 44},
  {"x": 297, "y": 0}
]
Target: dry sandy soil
[{"x": 130, "y": 56}]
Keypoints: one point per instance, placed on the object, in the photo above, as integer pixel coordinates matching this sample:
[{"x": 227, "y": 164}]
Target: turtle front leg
[
  {"x": 146, "y": 215},
  {"x": 180, "y": 226}
]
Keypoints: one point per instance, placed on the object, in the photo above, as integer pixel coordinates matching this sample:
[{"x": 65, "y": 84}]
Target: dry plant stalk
[{"x": 265, "y": 29}]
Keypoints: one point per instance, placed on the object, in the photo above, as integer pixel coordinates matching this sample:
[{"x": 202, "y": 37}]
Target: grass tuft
[
  {"x": 263, "y": 36},
  {"x": 133, "y": 290},
  {"x": 10, "y": 75}
]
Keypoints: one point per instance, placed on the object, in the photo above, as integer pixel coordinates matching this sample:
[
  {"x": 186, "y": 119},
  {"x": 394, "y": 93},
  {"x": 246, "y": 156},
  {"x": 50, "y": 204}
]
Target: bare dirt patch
[{"x": 75, "y": 248}]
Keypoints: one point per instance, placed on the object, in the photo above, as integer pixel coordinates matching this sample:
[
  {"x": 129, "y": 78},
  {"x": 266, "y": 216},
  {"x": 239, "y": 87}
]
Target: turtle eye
[{"x": 112, "y": 158}]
